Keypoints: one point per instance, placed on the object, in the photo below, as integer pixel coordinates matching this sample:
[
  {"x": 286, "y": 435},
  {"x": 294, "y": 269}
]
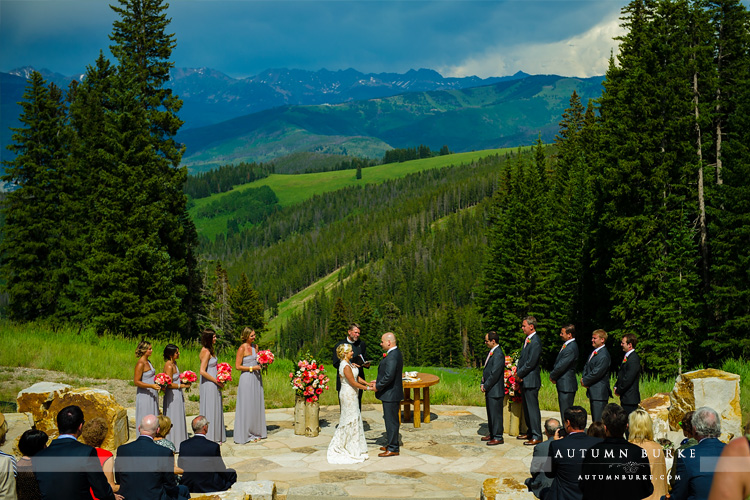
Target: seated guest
[
  {"x": 642, "y": 433},
  {"x": 200, "y": 458},
  {"x": 540, "y": 481},
  {"x": 165, "y": 427},
  {"x": 145, "y": 469},
  {"x": 31, "y": 442},
  {"x": 731, "y": 480},
  {"x": 7, "y": 466},
  {"x": 694, "y": 467},
  {"x": 93, "y": 433},
  {"x": 596, "y": 429},
  {"x": 566, "y": 456},
  {"x": 687, "y": 430},
  {"x": 614, "y": 469},
  {"x": 67, "y": 468}
]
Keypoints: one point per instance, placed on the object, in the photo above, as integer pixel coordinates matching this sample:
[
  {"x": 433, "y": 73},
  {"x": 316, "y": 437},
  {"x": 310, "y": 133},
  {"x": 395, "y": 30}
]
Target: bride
[{"x": 348, "y": 445}]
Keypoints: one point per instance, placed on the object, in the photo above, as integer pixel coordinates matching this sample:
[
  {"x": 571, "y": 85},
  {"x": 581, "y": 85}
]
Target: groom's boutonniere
[
  {"x": 527, "y": 341},
  {"x": 491, "y": 353},
  {"x": 564, "y": 346},
  {"x": 385, "y": 354},
  {"x": 624, "y": 359}
]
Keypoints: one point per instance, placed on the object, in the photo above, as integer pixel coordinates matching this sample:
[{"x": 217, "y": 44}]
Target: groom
[{"x": 390, "y": 390}]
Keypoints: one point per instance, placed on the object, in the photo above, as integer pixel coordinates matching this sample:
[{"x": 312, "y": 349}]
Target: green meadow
[
  {"x": 293, "y": 189},
  {"x": 86, "y": 354}
]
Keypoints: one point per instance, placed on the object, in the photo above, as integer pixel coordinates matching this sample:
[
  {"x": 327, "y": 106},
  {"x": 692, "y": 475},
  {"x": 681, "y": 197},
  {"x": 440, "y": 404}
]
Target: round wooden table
[{"x": 421, "y": 389}]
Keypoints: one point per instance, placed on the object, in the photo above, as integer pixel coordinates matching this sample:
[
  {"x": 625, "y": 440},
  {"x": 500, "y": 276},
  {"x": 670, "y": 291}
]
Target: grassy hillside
[
  {"x": 293, "y": 189},
  {"x": 503, "y": 114}
]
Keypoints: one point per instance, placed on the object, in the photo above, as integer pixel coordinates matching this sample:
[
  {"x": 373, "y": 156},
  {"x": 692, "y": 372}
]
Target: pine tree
[
  {"x": 338, "y": 325},
  {"x": 246, "y": 307},
  {"x": 33, "y": 246}
]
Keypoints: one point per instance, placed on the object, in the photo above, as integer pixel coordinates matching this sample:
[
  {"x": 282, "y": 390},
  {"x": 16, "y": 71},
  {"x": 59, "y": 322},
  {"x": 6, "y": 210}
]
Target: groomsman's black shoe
[
  {"x": 388, "y": 454},
  {"x": 523, "y": 436},
  {"x": 486, "y": 438},
  {"x": 495, "y": 442}
]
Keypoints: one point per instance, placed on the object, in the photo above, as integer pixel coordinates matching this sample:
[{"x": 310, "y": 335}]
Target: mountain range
[{"x": 282, "y": 111}]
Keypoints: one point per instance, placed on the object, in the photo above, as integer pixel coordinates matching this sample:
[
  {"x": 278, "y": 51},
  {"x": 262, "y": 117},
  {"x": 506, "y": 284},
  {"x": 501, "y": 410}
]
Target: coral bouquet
[
  {"x": 188, "y": 377},
  {"x": 265, "y": 358},
  {"x": 223, "y": 373},
  {"x": 163, "y": 380},
  {"x": 309, "y": 380}
]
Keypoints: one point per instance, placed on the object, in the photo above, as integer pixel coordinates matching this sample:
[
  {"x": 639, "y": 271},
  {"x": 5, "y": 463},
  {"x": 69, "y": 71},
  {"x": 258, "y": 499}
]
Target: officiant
[{"x": 359, "y": 358}]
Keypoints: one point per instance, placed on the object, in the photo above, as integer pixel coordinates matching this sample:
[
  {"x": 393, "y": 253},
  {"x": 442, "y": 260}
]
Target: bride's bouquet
[
  {"x": 310, "y": 379},
  {"x": 188, "y": 377},
  {"x": 265, "y": 358},
  {"x": 223, "y": 373},
  {"x": 163, "y": 380}
]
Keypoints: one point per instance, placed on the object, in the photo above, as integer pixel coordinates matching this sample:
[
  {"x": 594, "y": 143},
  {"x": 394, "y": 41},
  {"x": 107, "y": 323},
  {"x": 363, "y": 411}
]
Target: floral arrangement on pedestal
[
  {"x": 223, "y": 373},
  {"x": 265, "y": 358},
  {"x": 310, "y": 379},
  {"x": 162, "y": 380},
  {"x": 188, "y": 377},
  {"x": 512, "y": 386}
]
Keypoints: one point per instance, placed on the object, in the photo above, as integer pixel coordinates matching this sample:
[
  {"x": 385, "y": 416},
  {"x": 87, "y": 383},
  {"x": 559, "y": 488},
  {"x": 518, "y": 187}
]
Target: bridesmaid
[
  {"x": 174, "y": 400},
  {"x": 147, "y": 392},
  {"x": 250, "y": 415},
  {"x": 211, "y": 406}
]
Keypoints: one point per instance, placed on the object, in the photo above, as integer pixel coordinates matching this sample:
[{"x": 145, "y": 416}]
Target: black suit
[
  {"x": 145, "y": 470},
  {"x": 564, "y": 375},
  {"x": 566, "y": 458},
  {"x": 67, "y": 469},
  {"x": 205, "y": 471},
  {"x": 596, "y": 377},
  {"x": 389, "y": 389},
  {"x": 493, "y": 381},
  {"x": 615, "y": 470},
  {"x": 540, "y": 480},
  {"x": 529, "y": 370},
  {"x": 359, "y": 356},
  {"x": 628, "y": 382}
]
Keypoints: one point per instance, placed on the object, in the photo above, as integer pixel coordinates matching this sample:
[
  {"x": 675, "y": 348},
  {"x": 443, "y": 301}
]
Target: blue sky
[{"x": 243, "y": 37}]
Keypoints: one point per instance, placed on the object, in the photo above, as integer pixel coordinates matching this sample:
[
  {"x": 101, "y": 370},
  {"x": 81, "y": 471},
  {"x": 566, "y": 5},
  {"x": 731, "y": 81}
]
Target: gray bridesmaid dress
[
  {"x": 250, "y": 414},
  {"x": 212, "y": 405},
  {"x": 146, "y": 400},
  {"x": 174, "y": 408}
]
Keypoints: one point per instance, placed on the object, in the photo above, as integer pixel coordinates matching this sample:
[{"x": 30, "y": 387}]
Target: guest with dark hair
[
  {"x": 686, "y": 424},
  {"x": 596, "y": 429},
  {"x": 146, "y": 392},
  {"x": 615, "y": 469},
  {"x": 93, "y": 433},
  {"x": 31, "y": 442},
  {"x": 82, "y": 470},
  {"x": 174, "y": 399}
]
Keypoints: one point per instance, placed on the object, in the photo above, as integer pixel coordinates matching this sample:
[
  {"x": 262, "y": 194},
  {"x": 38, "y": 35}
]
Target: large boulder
[
  {"x": 716, "y": 389},
  {"x": 42, "y": 401},
  {"x": 657, "y": 407}
]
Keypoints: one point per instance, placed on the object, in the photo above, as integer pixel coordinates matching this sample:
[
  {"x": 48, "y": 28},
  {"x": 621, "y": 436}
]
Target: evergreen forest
[{"x": 637, "y": 218}]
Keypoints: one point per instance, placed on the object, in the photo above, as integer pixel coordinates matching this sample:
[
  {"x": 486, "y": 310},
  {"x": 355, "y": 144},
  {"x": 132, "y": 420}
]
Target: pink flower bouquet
[
  {"x": 163, "y": 380},
  {"x": 310, "y": 380},
  {"x": 265, "y": 358},
  {"x": 223, "y": 373},
  {"x": 188, "y": 377}
]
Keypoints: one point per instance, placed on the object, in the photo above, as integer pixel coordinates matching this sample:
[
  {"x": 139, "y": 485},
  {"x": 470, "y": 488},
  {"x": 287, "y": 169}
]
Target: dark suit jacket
[
  {"x": 566, "y": 458},
  {"x": 201, "y": 460},
  {"x": 358, "y": 348},
  {"x": 595, "y": 376},
  {"x": 493, "y": 375},
  {"x": 564, "y": 371},
  {"x": 696, "y": 470},
  {"x": 145, "y": 470},
  {"x": 388, "y": 385},
  {"x": 79, "y": 468},
  {"x": 615, "y": 470},
  {"x": 628, "y": 380},
  {"x": 528, "y": 367},
  {"x": 539, "y": 469}
]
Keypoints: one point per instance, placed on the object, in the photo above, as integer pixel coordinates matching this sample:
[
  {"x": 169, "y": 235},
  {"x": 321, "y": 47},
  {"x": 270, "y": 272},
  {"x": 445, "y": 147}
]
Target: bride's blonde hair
[{"x": 343, "y": 349}]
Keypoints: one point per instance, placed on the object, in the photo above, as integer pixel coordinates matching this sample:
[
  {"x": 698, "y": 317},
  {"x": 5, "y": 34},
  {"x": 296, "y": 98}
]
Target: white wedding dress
[{"x": 348, "y": 445}]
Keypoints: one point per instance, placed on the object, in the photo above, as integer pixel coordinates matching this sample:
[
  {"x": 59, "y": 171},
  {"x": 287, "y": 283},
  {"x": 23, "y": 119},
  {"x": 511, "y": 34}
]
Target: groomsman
[
  {"x": 563, "y": 373},
  {"x": 493, "y": 387},
  {"x": 595, "y": 377},
  {"x": 529, "y": 375},
  {"x": 627, "y": 386}
]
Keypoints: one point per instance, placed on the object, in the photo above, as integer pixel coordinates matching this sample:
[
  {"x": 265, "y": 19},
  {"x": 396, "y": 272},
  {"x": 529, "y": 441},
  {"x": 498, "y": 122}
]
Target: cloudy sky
[{"x": 243, "y": 37}]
